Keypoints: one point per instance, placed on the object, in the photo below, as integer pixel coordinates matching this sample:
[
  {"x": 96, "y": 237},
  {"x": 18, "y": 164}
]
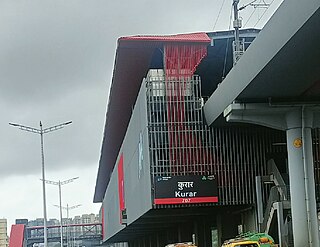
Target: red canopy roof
[{"x": 191, "y": 37}]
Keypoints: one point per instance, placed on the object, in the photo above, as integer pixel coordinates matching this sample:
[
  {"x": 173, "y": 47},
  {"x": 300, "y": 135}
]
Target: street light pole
[
  {"x": 67, "y": 223},
  {"x": 60, "y": 209},
  {"x": 60, "y": 183},
  {"x": 45, "y": 233},
  {"x": 42, "y": 131}
]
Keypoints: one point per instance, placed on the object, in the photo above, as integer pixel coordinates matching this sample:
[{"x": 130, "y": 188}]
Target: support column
[
  {"x": 301, "y": 173},
  {"x": 297, "y": 189},
  {"x": 311, "y": 192},
  {"x": 297, "y": 121}
]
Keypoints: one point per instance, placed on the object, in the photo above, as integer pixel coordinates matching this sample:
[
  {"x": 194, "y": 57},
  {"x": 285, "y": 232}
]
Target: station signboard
[{"x": 185, "y": 189}]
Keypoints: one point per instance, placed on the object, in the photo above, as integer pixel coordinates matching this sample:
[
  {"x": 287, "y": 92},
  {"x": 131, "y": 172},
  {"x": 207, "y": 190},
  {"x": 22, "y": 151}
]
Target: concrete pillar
[
  {"x": 301, "y": 173},
  {"x": 297, "y": 121},
  {"x": 310, "y": 188},
  {"x": 297, "y": 189}
]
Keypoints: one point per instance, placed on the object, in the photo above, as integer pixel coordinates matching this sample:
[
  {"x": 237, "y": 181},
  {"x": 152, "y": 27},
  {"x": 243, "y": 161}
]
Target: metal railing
[
  {"x": 72, "y": 233},
  {"x": 277, "y": 179},
  {"x": 277, "y": 194}
]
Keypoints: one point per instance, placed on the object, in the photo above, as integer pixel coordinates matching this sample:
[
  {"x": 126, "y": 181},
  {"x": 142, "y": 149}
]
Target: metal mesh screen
[
  {"x": 182, "y": 144},
  {"x": 176, "y": 131}
]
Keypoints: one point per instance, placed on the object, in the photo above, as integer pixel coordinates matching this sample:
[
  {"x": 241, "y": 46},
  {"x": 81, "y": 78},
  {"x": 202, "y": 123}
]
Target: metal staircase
[{"x": 277, "y": 207}]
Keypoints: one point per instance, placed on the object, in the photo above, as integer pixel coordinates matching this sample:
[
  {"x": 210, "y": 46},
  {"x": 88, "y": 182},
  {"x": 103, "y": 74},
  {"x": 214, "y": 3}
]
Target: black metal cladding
[{"x": 182, "y": 144}]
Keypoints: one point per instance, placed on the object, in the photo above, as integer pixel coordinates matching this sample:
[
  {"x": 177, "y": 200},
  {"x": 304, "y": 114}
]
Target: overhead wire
[
  {"x": 262, "y": 3},
  {"x": 263, "y": 13},
  {"x": 246, "y": 5},
  {"x": 250, "y": 17},
  {"x": 227, "y": 47},
  {"x": 220, "y": 10},
  {"x": 254, "y": 10},
  {"x": 230, "y": 17}
]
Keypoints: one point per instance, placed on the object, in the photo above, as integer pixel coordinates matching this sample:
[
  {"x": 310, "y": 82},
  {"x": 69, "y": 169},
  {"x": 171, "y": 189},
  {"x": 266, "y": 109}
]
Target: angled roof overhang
[
  {"x": 132, "y": 61},
  {"x": 281, "y": 64}
]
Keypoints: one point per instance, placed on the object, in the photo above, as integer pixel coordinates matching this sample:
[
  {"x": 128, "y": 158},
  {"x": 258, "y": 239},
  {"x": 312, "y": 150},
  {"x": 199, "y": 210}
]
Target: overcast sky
[{"x": 56, "y": 61}]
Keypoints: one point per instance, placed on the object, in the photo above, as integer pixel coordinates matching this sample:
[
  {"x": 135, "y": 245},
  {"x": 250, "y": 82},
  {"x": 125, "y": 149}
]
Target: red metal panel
[
  {"x": 121, "y": 183},
  {"x": 162, "y": 201},
  {"x": 16, "y": 236},
  {"x": 121, "y": 187}
]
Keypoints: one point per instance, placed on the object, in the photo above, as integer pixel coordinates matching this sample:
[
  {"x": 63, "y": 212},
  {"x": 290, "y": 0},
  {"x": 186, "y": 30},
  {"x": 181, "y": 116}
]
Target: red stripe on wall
[
  {"x": 122, "y": 205},
  {"x": 162, "y": 201},
  {"x": 121, "y": 183}
]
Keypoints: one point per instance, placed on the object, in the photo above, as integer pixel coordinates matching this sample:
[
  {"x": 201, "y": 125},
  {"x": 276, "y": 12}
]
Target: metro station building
[{"x": 165, "y": 175}]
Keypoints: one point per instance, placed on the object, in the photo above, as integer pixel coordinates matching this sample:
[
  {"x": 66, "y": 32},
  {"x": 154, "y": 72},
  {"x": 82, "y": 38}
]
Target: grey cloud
[{"x": 56, "y": 62}]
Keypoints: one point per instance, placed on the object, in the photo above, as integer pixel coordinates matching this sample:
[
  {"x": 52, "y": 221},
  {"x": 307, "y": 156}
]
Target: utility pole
[
  {"x": 236, "y": 23},
  {"x": 238, "y": 47}
]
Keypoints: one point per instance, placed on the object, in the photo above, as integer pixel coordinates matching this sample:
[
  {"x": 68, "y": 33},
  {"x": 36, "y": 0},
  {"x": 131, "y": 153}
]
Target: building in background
[
  {"x": 82, "y": 230},
  {"x": 89, "y": 218},
  {"x": 3, "y": 233},
  {"x": 21, "y": 221}
]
